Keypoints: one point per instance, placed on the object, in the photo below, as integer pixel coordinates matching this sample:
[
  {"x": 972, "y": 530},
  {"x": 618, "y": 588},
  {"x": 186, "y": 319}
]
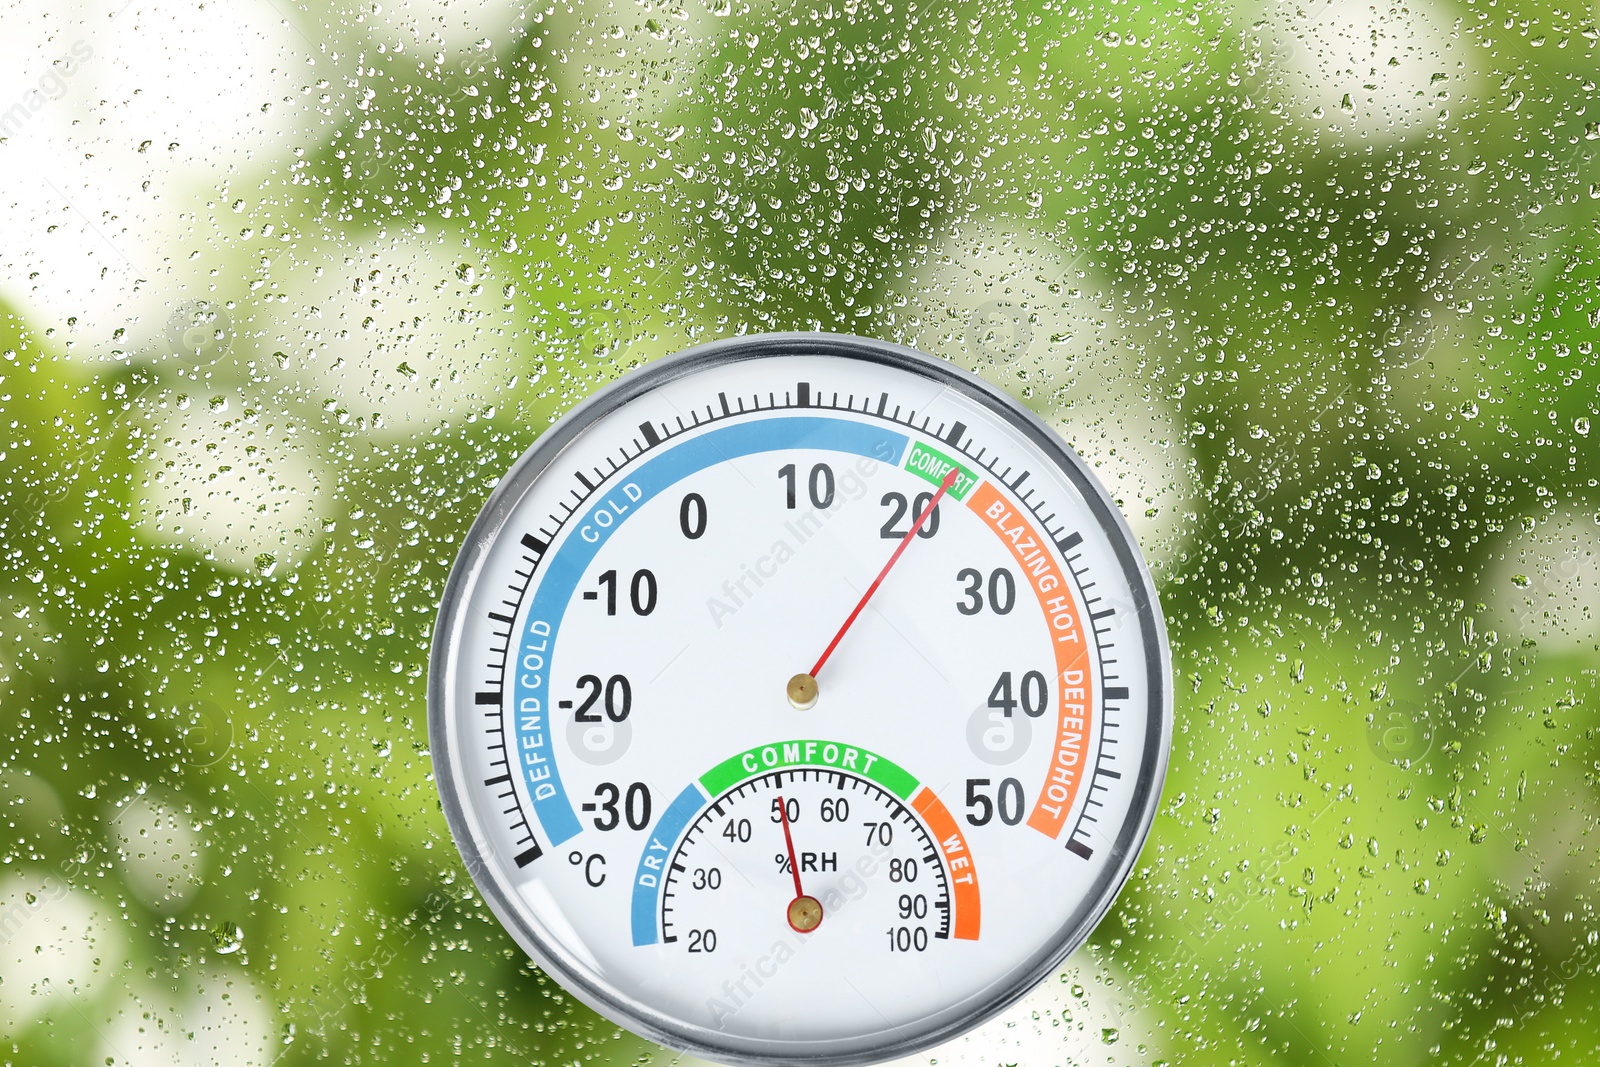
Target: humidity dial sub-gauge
[{"x": 799, "y": 699}]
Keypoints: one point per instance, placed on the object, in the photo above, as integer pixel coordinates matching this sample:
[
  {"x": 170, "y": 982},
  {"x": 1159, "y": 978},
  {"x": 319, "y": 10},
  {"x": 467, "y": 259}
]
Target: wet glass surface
[{"x": 285, "y": 288}]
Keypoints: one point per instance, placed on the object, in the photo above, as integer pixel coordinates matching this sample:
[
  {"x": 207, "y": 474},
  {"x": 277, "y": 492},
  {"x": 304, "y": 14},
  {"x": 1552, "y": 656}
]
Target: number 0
[{"x": 692, "y": 516}]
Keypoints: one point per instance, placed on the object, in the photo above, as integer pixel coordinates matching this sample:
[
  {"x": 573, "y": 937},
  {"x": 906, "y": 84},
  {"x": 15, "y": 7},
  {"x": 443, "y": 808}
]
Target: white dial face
[{"x": 675, "y": 834}]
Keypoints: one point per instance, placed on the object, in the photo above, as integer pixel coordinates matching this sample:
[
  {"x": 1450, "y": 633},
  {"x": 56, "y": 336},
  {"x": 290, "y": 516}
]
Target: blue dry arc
[{"x": 564, "y": 569}]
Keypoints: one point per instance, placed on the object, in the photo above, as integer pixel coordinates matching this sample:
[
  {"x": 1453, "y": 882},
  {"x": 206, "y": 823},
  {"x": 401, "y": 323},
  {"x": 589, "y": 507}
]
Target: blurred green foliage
[{"x": 1358, "y": 305}]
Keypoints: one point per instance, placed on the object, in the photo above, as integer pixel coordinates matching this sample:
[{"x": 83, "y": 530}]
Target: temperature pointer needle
[
  {"x": 805, "y": 913},
  {"x": 803, "y": 687}
]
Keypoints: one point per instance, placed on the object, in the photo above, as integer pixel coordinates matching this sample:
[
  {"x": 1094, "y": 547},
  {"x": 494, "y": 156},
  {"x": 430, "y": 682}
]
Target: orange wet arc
[{"x": 964, "y": 897}]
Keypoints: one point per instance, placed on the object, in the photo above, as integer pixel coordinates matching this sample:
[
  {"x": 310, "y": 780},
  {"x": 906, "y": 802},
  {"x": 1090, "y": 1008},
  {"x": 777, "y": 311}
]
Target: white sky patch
[
  {"x": 1009, "y": 307},
  {"x": 1546, "y": 584},
  {"x": 253, "y": 497},
  {"x": 160, "y": 850},
  {"x": 424, "y": 26},
  {"x": 1364, "y": 69},
  {"x": 411, "y": 329},
  {"x": 1140, "y": 458},
  {"x": 208, "y": 1020},
  {"x": 118, "y": 125},
  {"x": 53, "y": 942},
  {"x": 1085, "y": 1014}
]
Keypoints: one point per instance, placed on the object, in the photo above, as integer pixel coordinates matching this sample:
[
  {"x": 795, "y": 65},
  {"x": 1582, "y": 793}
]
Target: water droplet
[{"x": 227, "y": 937}]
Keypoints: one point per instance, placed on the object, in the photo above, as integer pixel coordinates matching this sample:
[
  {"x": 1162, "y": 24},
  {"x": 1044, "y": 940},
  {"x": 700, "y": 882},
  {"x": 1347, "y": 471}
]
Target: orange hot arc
[{"x": 1074, "y": 682}]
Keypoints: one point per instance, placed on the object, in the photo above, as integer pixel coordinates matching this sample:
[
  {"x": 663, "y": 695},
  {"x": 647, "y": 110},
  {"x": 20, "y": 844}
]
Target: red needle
[
  {"x": 788, "y": 842},
  {"x": 804, "y": 913},
  {"x": 944, "y": 487}
]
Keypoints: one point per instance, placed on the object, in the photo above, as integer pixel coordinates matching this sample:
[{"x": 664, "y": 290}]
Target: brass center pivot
[
  {"x": 802, "y": 691},
  {"x": 805, "y": 914}
]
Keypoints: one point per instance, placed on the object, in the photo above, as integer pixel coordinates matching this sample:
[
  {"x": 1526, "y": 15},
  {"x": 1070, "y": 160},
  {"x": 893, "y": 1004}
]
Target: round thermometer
[{"x": 799, "y": 699}]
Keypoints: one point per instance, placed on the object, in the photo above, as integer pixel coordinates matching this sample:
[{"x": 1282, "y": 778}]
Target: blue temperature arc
[
  {"x": 564, "y": 569},
  {"x": 653, "y": 861}
]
